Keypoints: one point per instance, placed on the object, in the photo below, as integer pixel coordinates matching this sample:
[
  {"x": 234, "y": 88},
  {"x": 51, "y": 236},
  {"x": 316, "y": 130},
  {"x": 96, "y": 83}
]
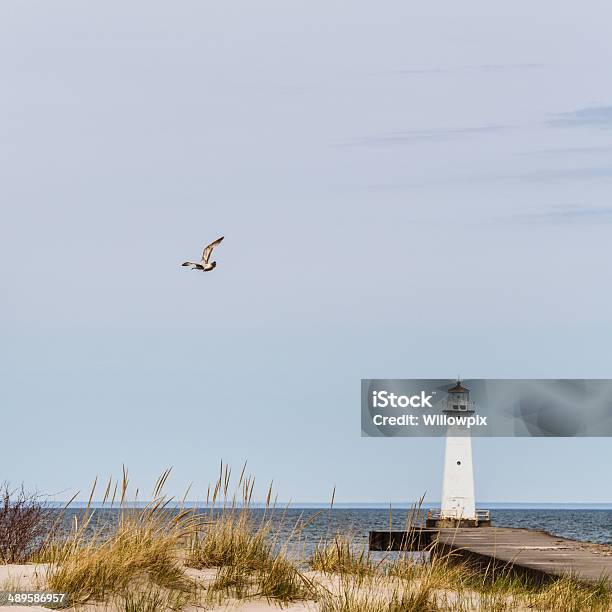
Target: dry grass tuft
[
  {"x": 371, "y": 594},
  {"x": 251, "y": 560},
  {"x": 281, "y": 580},
  {"x": 568, "y": 595},
  {"x": 153, "y": 599},
  {"x": 229, "y": 540},
  {"x": 339, "y": 556},
  {"x": 460, "y": 588},
  {"x": 132, "y": 553},
  {"x": 140, "y": 554}
]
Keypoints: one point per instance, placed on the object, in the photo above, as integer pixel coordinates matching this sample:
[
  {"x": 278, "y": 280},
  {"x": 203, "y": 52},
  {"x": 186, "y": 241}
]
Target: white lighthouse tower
[{"x": 458, "y": 506}]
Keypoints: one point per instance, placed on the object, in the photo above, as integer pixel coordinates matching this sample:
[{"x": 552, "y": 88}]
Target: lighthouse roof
[{"x": 458, "y": 388}]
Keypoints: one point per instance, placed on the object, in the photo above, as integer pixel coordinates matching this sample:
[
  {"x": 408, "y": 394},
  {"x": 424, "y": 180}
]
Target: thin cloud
[
  {"x": 418, "y": 136},
  {"x": 562, "y": 174},
  {"x": 467, "y": 69},
  {"x": 568, "y": 214},
  {"x": 594, "y": 116},
  {"x": 541, "y": 176},
  {"x": 556, "y": 175},
  {"x": 536, "y": 176},
  {"x": 570, "y": 151}
]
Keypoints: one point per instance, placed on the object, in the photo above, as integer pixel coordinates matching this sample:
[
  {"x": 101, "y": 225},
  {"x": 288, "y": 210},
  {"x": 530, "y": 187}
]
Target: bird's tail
[{"x": 188, "y": 263}]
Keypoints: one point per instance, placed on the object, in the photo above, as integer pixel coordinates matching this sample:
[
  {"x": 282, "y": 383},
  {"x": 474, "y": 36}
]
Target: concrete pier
[{"x": 523, "y": 551}]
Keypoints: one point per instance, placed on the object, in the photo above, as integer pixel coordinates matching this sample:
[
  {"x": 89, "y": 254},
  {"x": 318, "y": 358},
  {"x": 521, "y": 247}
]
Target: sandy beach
[
  {"x": 32, "y": 577},
  {"x": 375, "y": 592}
]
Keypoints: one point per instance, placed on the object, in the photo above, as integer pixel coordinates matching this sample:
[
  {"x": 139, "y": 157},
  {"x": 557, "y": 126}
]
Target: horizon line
[{"x": 326, "y": 505}]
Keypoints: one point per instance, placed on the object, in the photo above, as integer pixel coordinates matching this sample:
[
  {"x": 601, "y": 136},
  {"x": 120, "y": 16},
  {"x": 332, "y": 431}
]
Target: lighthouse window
[
  {"x": 463, "y": 408},
  {"x": 455, "y": 407}
]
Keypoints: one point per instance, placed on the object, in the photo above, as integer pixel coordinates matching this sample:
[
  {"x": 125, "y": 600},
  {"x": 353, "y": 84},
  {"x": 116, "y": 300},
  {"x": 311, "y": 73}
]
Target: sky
[{"x": 406, "y": 191}]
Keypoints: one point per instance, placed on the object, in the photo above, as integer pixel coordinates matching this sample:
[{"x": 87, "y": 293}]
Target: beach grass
[
  {"x": 368, "y": 593},
  {"x": 140, "y": 555},
  {"x": 340, "y": 557},
  {"x": 167, "y": 557},
  {"x": 251, "y": 560},
  {"x": 569, "y": 595},
  {"x": 461, "y": 587},
  {"x": 153, "y": 599}
]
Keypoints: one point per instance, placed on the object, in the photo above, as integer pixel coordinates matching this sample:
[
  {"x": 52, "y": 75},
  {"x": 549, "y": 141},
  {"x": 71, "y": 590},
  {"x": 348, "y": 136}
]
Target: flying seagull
[{"x": 204, "y": 263}]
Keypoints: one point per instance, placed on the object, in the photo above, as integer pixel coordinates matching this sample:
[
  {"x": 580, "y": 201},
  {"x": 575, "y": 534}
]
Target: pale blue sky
[{"x": 405, "y": 192}]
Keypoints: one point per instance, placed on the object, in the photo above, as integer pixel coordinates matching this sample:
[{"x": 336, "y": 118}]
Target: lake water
[{"x": 317, "y": 524}]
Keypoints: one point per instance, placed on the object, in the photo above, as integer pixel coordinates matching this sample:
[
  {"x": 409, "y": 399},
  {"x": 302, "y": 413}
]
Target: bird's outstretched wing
[{"x": 208, "y": 250}]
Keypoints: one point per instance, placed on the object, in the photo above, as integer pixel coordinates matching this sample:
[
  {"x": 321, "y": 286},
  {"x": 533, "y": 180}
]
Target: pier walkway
[{"x": 523, "y": 550}]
